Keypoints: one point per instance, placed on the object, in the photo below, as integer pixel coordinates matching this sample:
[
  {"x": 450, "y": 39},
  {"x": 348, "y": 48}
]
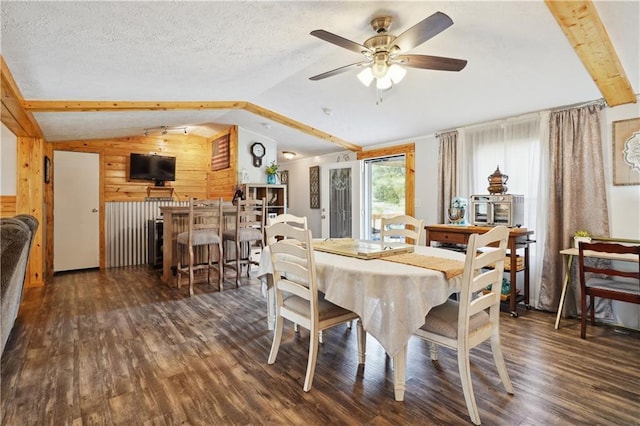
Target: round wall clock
[{"x": 258, "y": 151}]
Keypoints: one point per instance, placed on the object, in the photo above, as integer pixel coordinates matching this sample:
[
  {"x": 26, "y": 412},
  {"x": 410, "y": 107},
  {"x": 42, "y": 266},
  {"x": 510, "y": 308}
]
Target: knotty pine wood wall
[
  {"x": 194, "y": 177},
  {"x": 31, "y": 199}
]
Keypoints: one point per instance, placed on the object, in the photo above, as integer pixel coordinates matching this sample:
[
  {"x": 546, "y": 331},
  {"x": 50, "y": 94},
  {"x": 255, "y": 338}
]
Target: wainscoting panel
[{"x": 126, "y": 230}]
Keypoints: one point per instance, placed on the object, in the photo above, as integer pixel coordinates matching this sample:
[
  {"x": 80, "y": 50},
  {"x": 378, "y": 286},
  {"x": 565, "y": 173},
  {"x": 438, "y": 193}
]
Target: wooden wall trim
[
  {"x": 48, "y": 216},
  {"x": 96, "y": 106},
  {"x": 274, "y": 116},
  {"x": 580, "y": 22},
  {"x": 7, "y": 205},
  {"x": 13, "y": 115},
  {"x": 387, "y": 151},
  {"x": 29, "y": 200}
]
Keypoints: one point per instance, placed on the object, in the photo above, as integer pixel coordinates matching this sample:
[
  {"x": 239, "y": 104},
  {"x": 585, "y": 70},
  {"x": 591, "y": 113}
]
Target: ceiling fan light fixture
[
  {"x": 396, "y": 73},
  {"x": 385, "y": 53},
  {"x": 366, "y": 76},
  {"x": 379, "y": 67},
  {"x": 384, "y": 83}
]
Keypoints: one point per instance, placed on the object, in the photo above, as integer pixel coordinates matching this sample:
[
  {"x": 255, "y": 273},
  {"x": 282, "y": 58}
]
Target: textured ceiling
[{"x": 261, "y": 52}]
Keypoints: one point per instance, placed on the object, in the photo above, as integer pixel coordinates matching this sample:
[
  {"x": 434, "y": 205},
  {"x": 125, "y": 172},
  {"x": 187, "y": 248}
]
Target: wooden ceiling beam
[
  {"x": 278, "y": 118},
  {"x": 112, "y": 106},
  {"x": 13, "y": 115},
  {"x": 580, "y": 22}
]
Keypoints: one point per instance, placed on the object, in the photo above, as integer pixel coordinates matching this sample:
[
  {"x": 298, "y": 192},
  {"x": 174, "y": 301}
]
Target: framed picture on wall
[
  {"x": 626, "y": 152},
  {"x": 221, "y": 153},
  {"x": 284, "y": 180},
  {"x": 314, "y": 187}
]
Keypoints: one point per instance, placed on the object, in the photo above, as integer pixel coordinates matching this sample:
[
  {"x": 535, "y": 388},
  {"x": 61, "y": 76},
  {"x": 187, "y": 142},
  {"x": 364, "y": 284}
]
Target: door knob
[
  {"x": 94, "y": 210},
  {"x": 323, "y": 217}
]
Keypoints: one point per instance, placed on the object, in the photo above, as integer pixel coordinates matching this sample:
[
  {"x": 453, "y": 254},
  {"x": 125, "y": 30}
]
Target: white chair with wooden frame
[
  {"x": 249, "y": 230},
  {"x": 205, "y": 221},
  {"x": 464, "y": 324},
  {"x": 401, "y": 227},
  {"x": 299, "y": 221},
  {"x": 610, "y": 282},
  {"x": 294, "y": 274}
]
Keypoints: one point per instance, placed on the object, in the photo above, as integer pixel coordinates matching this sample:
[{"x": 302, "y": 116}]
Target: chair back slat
[
  {"x": 251, "y": 214},
  {"x": 293, "y": 262},
  {"x": 204, "y": 215},
  {"x": 401, "y": 226},
  {"x": 297, "y": 221},
  {"x": 481, "y": 254},
  {"x": 605, "y": 269}
]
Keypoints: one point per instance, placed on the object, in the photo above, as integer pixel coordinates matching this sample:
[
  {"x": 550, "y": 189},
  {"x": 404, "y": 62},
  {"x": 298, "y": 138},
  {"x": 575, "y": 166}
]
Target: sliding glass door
[{"x": 384, "y": 191}]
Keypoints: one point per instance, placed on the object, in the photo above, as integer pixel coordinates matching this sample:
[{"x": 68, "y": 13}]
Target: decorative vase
[
  {"x": 271, "y": 179},
  {"x": 576, "y": 241},
  {"x": 497, "y": 182}
]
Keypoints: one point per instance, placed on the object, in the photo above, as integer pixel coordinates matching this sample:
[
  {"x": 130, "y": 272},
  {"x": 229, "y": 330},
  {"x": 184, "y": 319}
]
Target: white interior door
[
  {"x": 341, "y": 199},
  {"x": 76, "y": 201}
]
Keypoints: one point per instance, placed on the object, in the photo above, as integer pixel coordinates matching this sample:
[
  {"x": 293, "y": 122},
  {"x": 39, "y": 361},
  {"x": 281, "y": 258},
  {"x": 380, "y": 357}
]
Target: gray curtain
[
  {"x": 577, "y": 197},
  {"x": 447, "y": 172}
]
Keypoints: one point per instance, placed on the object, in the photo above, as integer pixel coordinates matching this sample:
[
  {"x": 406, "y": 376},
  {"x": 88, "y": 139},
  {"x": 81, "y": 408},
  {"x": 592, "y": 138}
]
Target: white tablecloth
[{"x": 392, "y": 299}]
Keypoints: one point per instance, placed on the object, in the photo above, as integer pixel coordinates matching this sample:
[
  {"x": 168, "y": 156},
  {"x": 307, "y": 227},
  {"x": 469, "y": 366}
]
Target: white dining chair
[
  {"x": 205, "y": 221},
  {"x": 301, "y": 222},
  {"x": 298, "y": 221},
  {"x": 297, "y": 296},
  {"x": 464, "y": 324},
  {"x": 401, "y": 227}
]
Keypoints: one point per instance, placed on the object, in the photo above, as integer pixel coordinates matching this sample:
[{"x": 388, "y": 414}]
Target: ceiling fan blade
[
  {"x": 423, "y": 31},
  {"x": 340, "y": 41},
  {"x": 338, "y": 70},
  {"x": 431, "y": 62}
]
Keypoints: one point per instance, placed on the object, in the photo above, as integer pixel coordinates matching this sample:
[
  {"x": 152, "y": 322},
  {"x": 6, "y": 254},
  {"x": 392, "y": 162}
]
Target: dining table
[
  {"x": 391, "y": 298},
  {"x": 175, "y": 221}
]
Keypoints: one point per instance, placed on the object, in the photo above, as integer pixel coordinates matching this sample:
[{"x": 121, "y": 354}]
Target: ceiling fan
[{"x": 385, "y": 54}]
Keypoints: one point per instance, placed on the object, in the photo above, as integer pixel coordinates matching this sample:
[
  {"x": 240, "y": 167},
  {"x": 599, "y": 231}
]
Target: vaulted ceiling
[{"x": 249, "y": 63}]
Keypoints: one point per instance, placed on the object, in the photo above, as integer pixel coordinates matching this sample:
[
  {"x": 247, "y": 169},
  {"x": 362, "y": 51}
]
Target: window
[{"x": 515, "y": 147}]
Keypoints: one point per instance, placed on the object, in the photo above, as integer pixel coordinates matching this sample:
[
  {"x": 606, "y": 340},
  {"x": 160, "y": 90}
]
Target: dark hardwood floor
[{"x": 120, "y": 347}]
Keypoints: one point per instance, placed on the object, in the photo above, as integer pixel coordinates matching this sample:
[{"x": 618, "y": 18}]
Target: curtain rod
[{"x": 599, "y": 101}]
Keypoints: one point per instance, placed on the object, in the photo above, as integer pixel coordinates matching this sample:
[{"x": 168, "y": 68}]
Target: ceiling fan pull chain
[{"x": 378, "y": 97}]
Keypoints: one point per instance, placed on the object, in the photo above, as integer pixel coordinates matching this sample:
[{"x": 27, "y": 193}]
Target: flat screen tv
[{"x": 157, "y": 168}]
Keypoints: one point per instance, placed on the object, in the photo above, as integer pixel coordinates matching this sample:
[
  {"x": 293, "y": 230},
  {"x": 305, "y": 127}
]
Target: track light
[{"x": 164, "y": 130}]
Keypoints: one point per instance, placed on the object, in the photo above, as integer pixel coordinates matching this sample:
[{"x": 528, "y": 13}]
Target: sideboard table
[{"x": 519, "y": 238}]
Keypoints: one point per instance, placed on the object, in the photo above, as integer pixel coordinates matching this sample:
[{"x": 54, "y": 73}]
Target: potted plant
[
  {"x": 583, "y": 236},
  {"x": 272, "y": 171}
]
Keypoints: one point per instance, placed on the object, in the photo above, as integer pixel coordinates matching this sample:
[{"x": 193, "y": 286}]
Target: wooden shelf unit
[
  {"x": 163, "y": 192},
  {"x": 275, "y": 194}
]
